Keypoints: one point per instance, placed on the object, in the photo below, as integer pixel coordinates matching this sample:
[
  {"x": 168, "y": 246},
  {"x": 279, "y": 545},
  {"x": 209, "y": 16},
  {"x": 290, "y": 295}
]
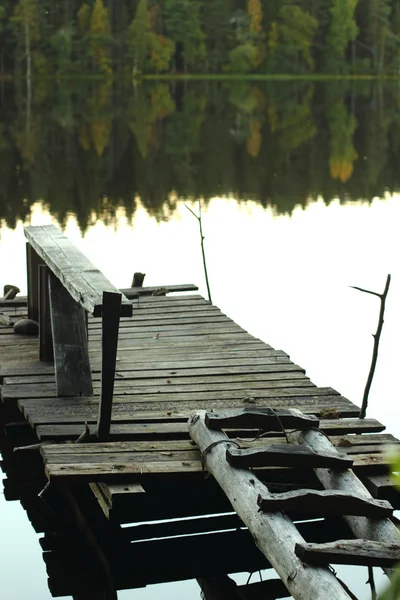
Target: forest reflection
[{"x": 88, "y": 148}]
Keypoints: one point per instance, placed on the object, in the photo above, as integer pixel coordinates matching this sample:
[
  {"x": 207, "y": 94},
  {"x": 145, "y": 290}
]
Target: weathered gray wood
[
  {"x": 225, "y": 588},
  {"x": 380, "y": 530},
  {"x": 82, "y": 279},
  {"x": 274, "y": 534},
  {"x": 45, "y": 333},
  {"x": 267, "y": 419},
  {"x": 287, "y": 455},
  {"x": 71, "y": 356},
  {"x": 325, "y": 503},
  {"x": 350, "y": 552},
  {"x": 150, "y": 290},
  {"x": 33, "y": 261},
  {"x": 111, "y": 312}
]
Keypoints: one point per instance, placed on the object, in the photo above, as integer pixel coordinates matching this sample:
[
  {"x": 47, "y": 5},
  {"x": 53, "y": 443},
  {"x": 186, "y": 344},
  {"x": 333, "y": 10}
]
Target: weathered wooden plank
[
  {"x": 125, "y": 403},
  {"x": 45, "y": 333},
  {"x": 325, "y": 504},
  {"x": 159, "y": 446},
  {"x": 82, "y": 279},
  {"x": 71, "y": 357},
  {"x": 249, "y": 395},
  {"x": 184, "y": 377},
  {"x": 33, "y": 262},
  {"x": 350, "y": 552},
  {"x": 111, "y": 313},
  {"x": 286, "y": 455},
  {"x": 132, "y": 361},
  {"x": 267, "y": 419},
  {"x": 167, "y": 332},
  {"x": 275, "y": 535},
  {"x": 152, "y": 290}
]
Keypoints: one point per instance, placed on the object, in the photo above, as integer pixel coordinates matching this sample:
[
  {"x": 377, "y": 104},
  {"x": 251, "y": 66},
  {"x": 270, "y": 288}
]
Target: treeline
[
  {"x": 90, "y": 149},
  {"x": 107, "y": 37}
]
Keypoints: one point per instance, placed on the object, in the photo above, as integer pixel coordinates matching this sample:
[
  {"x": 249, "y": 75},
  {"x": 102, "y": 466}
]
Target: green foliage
[
  {"x": 99, "y": 38},
  {"x": 200, "y": 36},
  {"x": 242, "y": 58},
  {"x": 183, "y": 26},
  {"x": 139, "y": 37},
  {"x": 343, "y": 29},
  {"x": 297, "y": 29}
]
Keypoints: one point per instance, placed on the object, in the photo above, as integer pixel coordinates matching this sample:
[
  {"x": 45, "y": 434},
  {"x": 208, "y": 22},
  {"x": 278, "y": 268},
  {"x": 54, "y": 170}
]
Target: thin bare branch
[
  {"x": 371, "y": 582},
  {"x": 366, "y": 291},
  {"x": 193, "y": 213},
  {"x": 202, "y": 247},
  {"x": 377, "y": 336}
]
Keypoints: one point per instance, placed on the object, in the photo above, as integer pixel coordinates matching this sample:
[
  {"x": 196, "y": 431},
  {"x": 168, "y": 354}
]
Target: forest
[{"x": 124, "y": 37}]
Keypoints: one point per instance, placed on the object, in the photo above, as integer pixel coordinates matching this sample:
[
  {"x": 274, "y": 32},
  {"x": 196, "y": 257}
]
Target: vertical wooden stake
[
  {"x": 45, "y": 333},
  {"x": 33, "y": 261},
  {"x": 110, "y": 326}
]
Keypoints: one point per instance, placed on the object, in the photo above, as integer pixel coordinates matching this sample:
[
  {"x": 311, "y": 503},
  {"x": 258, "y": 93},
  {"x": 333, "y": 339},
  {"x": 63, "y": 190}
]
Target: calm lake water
[{"x": 299, "y": 190}]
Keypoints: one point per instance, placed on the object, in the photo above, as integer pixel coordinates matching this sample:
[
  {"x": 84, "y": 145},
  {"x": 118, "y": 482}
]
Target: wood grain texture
[
  {"x": 274, "y": 534},
  {"x": 326, "y": 503},
  {"x": 82, "y": 279},
  {"x": 71, "y": 356},
  {"x": 111, "y": 313},
  {"x": 350, "y": 552},
  {"x": 286, "y": 455}
]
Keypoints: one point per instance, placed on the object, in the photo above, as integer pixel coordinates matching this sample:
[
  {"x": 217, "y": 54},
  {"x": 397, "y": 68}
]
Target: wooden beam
[
  {"x": 286, "y": 455},
  {"x": 350, "y": 552},
  {"x": 33, "y": 261},
  {"x": 150, "y": 290},
  {"x": 76, "y": 272},
  {"x": 71, "y": 356},
  {"x": 45, "y": 335},
  {"x": 326, "y": 503},
  {"x": 274, "y": 534},
  {"x": 267, "y": 419},
  {"x": 111, "y": 314},
  {"x": 224, "y": 588}
]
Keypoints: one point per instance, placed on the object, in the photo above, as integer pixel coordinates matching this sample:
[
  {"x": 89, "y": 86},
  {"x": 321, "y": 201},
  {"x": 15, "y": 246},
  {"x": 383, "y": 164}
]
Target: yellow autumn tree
[
  {"x": 342, "y": 153},
  {"x": 257, "y": 36},
  {"x": 99, "y": 35}
]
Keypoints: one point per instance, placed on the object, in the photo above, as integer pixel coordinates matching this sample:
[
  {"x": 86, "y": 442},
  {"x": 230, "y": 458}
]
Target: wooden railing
[{"x": 63, "y": 288}]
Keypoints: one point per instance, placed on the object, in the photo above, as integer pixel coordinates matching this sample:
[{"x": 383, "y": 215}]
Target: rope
[{"x": 211, "y": 446}]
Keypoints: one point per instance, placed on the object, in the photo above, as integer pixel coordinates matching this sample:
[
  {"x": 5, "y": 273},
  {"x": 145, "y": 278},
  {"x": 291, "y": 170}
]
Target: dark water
[{"x": 88, "y": 147}]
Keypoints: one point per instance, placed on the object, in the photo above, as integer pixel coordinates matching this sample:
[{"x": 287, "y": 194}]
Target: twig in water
[
  {"x": 371, "y": 582},
  {"x": 198, "y": 217},
  {"x": 376, "y": 337}
]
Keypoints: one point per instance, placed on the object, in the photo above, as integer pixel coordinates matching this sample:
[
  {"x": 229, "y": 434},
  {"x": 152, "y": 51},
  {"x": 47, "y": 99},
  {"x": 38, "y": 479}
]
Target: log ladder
[{"x": 303, "y": 567}]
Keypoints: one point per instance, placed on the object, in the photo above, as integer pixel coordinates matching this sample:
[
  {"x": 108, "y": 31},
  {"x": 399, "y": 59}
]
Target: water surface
[{"x": 298, "y": 186}]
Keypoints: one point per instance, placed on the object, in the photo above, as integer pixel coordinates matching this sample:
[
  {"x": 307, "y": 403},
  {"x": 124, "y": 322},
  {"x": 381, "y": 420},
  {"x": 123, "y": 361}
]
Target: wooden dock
[{"x": 176, "y": 354}]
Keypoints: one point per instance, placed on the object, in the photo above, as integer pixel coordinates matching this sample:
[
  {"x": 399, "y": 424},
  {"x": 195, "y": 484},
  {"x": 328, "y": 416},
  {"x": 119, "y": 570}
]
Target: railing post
[
  {"x": 109, "y": 342},
  {"x": 33, "y": 261},
  {"x": 45, "y": 332}
]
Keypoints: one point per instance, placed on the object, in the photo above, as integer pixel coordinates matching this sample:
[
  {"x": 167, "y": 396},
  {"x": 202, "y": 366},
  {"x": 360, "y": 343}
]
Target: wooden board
[
  {"x": 350, "y": 552},
  {"x": 71, "y": 356},
  {"x": 76, "y": 272},
  {"x": 326, "y": 503}
]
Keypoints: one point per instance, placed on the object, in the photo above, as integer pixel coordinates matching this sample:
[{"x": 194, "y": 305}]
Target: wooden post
[
  {"x": 45, "y": 333},
  {"x": 110, "y": 325},
  {"x": 33, "y": 261},
  {"x": 274, "y": 534},
  {"x": 70, "y": 342}
]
